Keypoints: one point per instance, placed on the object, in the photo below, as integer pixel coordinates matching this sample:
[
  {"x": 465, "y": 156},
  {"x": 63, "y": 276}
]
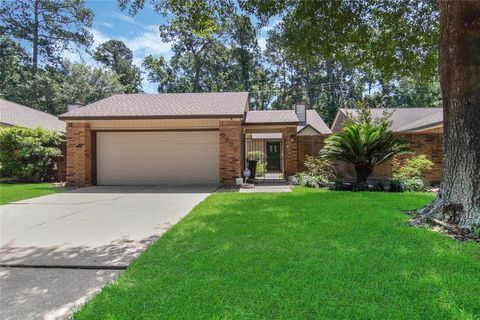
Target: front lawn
[
  {"x": 309, "y": 254},
  {"x": 20, "y": 191}
]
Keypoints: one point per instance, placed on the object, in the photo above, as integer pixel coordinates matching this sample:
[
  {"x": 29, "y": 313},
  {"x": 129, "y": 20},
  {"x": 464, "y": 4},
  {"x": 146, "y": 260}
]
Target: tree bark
[
  {"x": 458, "y": 200},
  {"x": 196, "y": 80},
  {"x": 35, "y": 35}
]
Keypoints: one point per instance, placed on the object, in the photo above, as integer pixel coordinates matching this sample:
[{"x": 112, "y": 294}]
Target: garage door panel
[{"x": 150, "y": 158}]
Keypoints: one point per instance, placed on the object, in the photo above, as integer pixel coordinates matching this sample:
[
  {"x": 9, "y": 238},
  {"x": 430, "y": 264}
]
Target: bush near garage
[{"x": 28, "y": 155}]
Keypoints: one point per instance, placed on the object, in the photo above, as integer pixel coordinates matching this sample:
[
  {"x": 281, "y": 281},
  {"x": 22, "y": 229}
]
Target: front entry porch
[{"x": 267, "y": 151}]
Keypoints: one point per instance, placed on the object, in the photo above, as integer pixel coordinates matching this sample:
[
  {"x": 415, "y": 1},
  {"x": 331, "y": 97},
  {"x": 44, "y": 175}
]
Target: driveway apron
[{"x": 58, "y": 250}]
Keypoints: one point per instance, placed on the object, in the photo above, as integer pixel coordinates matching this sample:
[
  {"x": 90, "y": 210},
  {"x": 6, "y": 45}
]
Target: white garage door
[{"x": 156, "y": 158}]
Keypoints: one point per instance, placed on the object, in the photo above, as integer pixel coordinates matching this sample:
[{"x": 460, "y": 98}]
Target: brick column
[
  {"x": 230, "y": 150},
  {"x": 289, "y": 136},
  {"x": 79, "y": 157}
]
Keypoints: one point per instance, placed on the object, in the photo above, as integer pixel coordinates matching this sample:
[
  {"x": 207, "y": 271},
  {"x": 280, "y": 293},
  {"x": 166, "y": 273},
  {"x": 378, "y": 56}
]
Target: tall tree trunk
[
  {"x": 35, "y": 35},
  {"x": 458, "y": 200},
  {"x": 196, "y": 80}
]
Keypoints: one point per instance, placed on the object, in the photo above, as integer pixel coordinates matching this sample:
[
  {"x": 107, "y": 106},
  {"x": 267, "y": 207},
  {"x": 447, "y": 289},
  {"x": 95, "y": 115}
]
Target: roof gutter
[
  {"x": 270, "y": 123},
  {"x": 424, "y": 127},
  {"x": 204, "y": 116}
]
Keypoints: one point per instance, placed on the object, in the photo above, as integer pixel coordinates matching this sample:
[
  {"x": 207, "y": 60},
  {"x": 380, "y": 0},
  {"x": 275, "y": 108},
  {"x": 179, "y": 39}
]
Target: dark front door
[{"x": 273, "y": 155}]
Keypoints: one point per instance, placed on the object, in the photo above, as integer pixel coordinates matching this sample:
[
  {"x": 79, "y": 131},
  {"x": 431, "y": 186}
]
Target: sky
[{"x": 139, "y": 33}]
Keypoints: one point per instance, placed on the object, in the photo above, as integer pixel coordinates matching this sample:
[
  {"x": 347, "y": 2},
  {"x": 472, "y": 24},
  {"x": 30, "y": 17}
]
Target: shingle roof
[
  {"x": 271, "y": 116},
  {"x": 14, "y": 114},
  {"x": 316, "y": 122},
  {"x": 165, "y": 105},
  {"x": 406, "y": 119}
]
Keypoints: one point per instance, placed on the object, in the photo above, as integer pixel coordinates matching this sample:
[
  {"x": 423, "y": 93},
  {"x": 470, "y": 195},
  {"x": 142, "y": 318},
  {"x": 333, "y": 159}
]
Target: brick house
[
  {"x": 421, "y": 127},
  {"x": 184, "y": 138},
  {"x": 16, "y": 115}
]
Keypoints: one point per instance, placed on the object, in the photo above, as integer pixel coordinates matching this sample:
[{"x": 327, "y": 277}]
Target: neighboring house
[
  {"x": 183, "y": 138},
  {"x": 17, "y": 115},
  {"x": 14, "y": 114},
  {"x": 421, "y": 127}
]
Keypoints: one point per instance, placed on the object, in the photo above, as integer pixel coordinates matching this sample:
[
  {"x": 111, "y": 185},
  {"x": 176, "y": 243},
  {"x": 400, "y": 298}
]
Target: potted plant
[{"x": 253, "y": 157}]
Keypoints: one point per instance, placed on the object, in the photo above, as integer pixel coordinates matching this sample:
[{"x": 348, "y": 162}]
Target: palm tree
[{"x": 365, "y": 144}]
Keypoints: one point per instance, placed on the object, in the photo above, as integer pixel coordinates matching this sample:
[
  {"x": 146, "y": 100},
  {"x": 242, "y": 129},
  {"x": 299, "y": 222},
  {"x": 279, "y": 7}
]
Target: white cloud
[
  {"x": 107, "y": 24},
  {"x": 124, "y": 18},
  {"x": 142, "y": 44},
  {"x": 98, "y": 37}
]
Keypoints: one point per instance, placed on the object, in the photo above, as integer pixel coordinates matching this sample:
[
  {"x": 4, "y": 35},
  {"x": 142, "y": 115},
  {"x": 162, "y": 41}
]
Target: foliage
[
  {"x": 319, "y": 172},
  {"x": 12, "y": 71},
  {"x": 52, "y": 89},
  {"x": 261, "y": 168},
  {"x": 256, "y": 155},
  {"x": 413, "y": 184},
  {"x": 405, "y": 32},
  {"x": 49, "y": 27},
  {"x": 80, "y": 83},
  {"x": 115, "y": 55},
  {"x": 356, "y": 246},
  {"x": 365, "y": 143},
  {"x": 259, "y": 156},
  {"x": 407, "y": 92},
  {"x": 19, "y": 191},
  {"x": 306, "y": 179},
  {"x": 318, "y": 166},
  {"x": 390, "y": 185},
  {"x": 28, "y": 155},
  {"x": 414, "y": 167}
]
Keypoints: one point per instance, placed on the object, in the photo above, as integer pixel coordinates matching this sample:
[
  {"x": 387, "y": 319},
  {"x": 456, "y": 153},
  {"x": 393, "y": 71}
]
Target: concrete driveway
[{"x": 58, "y": 250}]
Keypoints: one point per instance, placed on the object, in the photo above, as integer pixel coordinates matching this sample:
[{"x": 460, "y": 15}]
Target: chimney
[
  {"x": 301, "y": 111},
  {"x": 73, "y": 106}
]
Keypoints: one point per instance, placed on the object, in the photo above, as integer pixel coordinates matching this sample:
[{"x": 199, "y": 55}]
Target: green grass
[
  {"x": 306, "y": 255},
  {"x": 19, "y": 191}
]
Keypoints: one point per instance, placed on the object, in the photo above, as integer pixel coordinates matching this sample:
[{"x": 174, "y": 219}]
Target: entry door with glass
[{"x": 273, "y": 155}]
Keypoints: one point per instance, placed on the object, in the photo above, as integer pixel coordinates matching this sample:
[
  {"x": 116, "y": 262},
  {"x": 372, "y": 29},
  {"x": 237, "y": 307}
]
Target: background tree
[
  {"x": 48, "y": 26},
  {"x": 80, "y": 83},
  {"x": 115, "y": 55},
  {"x": 13, "y": 68}
]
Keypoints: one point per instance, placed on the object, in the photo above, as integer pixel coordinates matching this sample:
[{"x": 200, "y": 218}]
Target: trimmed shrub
[
  {"x": 317, "y": 166},
  {"x": 413, "y": 184},
  {"x": 414, "y": 167},
  {"x": 305, "y": 179},
  {"x": 28, "y": 155}
]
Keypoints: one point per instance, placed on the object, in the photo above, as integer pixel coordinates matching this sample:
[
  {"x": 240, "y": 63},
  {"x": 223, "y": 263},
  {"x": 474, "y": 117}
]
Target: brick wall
[
  {"x": 289, "y": 136},
  {"x": 429, "y": 144},
  {"x": 79, "y": 157},
  {"x": 230, "y": 132},
  {"x": 309, "y": 145}
]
